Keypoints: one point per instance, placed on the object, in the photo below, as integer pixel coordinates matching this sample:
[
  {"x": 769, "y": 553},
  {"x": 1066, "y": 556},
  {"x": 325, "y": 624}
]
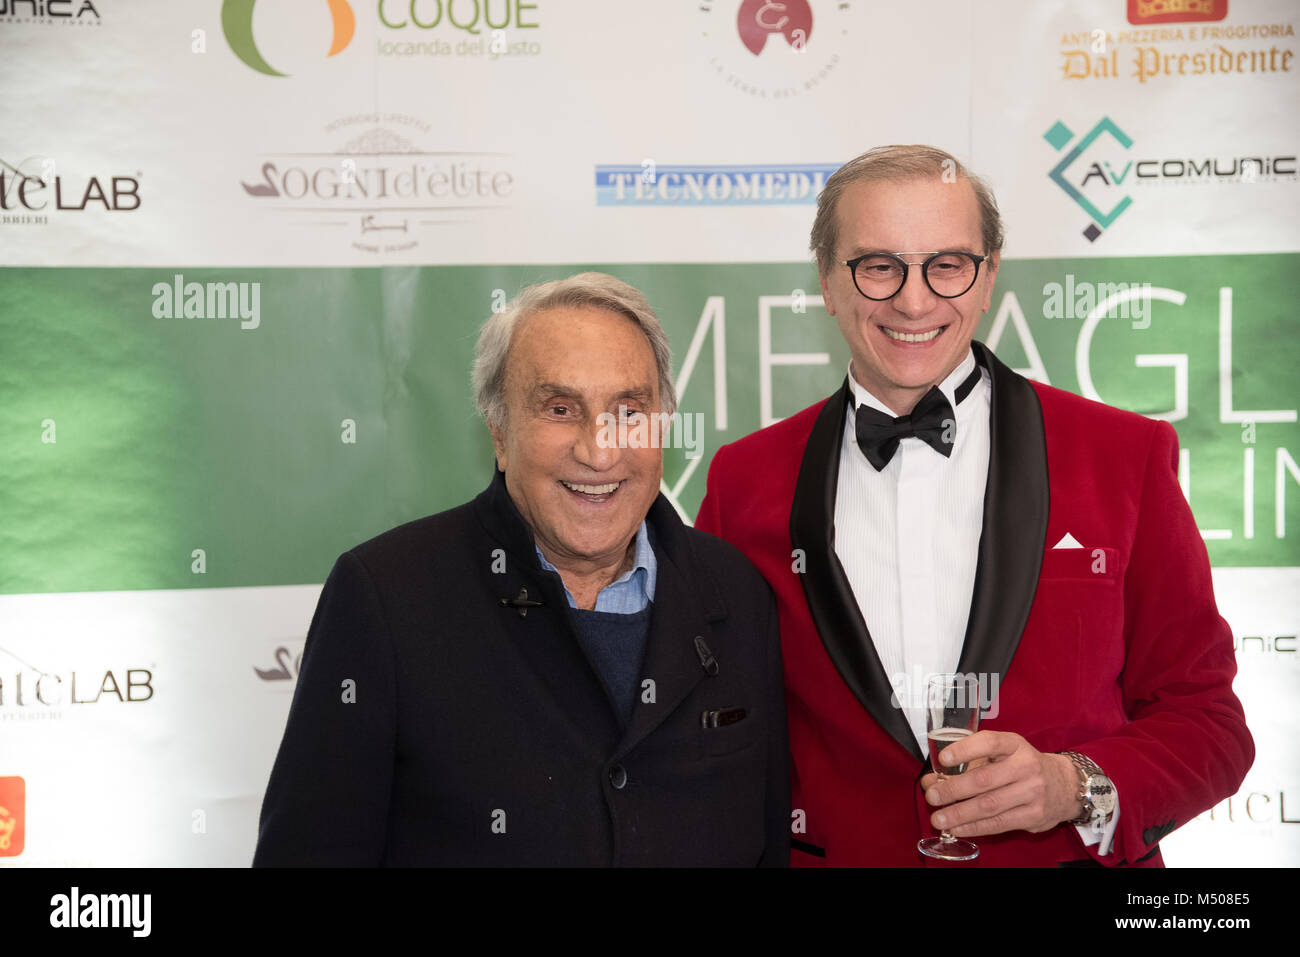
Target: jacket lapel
[
  {"x": 1016, "y": 501},
  {"x": 1012, "y": 540},
  {"x": 830, "y": 597},
  {"x": 686, "y": 600},
  {"x": 544, "y": 635}
]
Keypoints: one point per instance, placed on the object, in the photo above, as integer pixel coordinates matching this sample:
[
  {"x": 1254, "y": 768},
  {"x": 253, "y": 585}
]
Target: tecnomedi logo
[
  {"x": 773, "y": 49},
  {"x": 13, "y": 815},
  {"x": 79, "y": 13},
  {"x": 237, "y": 25},
  {"x": 386, "y": 189},
  {"x": 1175, "y": 11},
  {"x": 766, "y": 185},
  {"x": 1100, "y": 173}
]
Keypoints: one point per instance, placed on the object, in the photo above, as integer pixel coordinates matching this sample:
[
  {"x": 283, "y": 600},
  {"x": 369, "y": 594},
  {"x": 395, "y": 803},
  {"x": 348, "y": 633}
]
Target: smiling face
[
  {"x": 904, "y": 345},
  {"x": 584, "y": 501}
]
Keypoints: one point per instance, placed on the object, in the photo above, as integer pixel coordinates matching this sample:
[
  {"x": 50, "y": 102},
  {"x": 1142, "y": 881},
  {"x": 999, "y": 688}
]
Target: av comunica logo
[
  {"x": 1092, "y": 183},
  {"x": 237, "y": 25}
]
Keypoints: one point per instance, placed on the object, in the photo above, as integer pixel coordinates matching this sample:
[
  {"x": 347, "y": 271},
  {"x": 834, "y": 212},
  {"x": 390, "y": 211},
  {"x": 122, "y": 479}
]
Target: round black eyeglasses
[{"x": 880, "y": 276}]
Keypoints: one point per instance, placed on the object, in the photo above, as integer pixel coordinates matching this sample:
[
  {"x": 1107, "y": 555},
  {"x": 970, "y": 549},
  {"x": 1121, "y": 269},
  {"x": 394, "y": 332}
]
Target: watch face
[{"x": 1102, "y": 794}]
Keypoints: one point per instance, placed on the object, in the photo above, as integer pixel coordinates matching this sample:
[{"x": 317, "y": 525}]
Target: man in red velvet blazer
[{"x": 940, "y": 513}]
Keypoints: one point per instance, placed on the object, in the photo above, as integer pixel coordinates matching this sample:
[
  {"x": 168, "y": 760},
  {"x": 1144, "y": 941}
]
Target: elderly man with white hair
[{"x": 558, "y": 672}]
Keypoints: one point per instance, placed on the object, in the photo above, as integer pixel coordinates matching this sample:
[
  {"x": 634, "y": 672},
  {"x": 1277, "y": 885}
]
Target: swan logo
[
  {"x": 237, "y": 25},
  {"x": 285, "y": 668}
]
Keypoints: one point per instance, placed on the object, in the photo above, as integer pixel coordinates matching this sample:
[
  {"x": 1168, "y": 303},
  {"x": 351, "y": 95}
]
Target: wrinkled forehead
[{"x": 586, "y": 348}]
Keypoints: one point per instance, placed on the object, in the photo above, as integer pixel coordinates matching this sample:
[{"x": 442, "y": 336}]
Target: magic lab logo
[
  {"x": 237, "y": 25},
  {"x": 773, "y": 49},
  {"x": 1092, "y": 171}
]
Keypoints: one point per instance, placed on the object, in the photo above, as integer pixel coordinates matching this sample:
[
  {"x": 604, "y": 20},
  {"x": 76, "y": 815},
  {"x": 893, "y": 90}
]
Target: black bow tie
[{"x": 932, "y": 421}]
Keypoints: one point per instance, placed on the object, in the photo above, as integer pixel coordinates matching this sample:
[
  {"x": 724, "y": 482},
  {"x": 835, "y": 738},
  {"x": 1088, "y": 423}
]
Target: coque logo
[
  {"x": 1101, "y": 170},
  {"x": 758, "y": 19},
  {"x": 237, "y": 25}
]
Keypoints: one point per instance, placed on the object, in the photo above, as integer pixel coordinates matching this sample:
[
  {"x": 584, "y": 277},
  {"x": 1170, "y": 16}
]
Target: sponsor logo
[
  {"x": 1100, "y": 168},
  {"x": 34, "y": 189},
  {"x": 285, "y": 666},
  {"x": 767, "y": 185},
  {"x": 29, "y": 693},
  {"x": 237, "y": 25},
  {"x": 458, "y": 28},
  {"x": 1148, "y": 53},
  {"x": 1253, "y": 807},
  {"x": 1265, "y": 644},
  {"x": 81, "y": 13},
  {"x": 759, "y": 19},
  {"x": 380, "y": 186},
  {"x": 774, "y": 49},
  {"x": 13, "y": 815},
  {"x": 1102, "y": 216},
  {"x": 1175, "y": 11}
]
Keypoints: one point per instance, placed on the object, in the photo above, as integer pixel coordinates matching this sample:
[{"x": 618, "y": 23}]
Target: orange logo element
[
  {"x": 13, "y": 801},
  {"x": 237, "y": 25}
]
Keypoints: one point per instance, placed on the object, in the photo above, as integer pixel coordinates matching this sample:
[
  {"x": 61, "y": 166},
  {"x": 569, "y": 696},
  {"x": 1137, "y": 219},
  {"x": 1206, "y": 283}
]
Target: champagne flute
[{"x": 952, "y": 712}]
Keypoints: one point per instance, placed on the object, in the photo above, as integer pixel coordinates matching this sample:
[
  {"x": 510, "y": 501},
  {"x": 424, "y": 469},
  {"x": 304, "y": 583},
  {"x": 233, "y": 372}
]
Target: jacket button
[{"x": 618, "y": 777}]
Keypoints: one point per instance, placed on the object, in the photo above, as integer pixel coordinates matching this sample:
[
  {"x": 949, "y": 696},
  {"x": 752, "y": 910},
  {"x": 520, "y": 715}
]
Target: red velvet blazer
[{"x": 1116, "y": 649}]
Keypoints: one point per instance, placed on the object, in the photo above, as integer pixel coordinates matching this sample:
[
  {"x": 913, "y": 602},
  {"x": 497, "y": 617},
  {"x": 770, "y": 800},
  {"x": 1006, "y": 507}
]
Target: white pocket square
[{"x": 1069, "y": 541}]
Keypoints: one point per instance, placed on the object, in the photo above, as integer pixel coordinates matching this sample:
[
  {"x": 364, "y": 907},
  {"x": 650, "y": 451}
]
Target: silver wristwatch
[{"x": 1096, "y": 793}]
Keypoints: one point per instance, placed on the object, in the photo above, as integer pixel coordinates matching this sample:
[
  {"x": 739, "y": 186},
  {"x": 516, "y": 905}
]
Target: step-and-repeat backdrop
[{"x": 247, "y": 247}]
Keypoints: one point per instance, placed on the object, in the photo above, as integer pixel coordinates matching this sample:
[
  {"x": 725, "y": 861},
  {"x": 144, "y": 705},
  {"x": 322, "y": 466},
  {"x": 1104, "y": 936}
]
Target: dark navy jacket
[{"x": 433, "y": 725}]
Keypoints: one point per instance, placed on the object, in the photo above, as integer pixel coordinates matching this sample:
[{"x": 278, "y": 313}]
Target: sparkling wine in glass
[{"x": 952, "y": 712}]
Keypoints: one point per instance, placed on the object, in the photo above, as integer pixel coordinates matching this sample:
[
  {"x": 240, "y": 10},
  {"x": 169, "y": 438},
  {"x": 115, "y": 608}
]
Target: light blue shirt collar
[{"x": 632, "y": 591}]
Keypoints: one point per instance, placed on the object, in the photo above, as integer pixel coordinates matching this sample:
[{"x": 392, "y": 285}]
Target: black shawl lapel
[
  {"x": 1016, "y": 501},
  {"x": 834, "y": 608}
]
